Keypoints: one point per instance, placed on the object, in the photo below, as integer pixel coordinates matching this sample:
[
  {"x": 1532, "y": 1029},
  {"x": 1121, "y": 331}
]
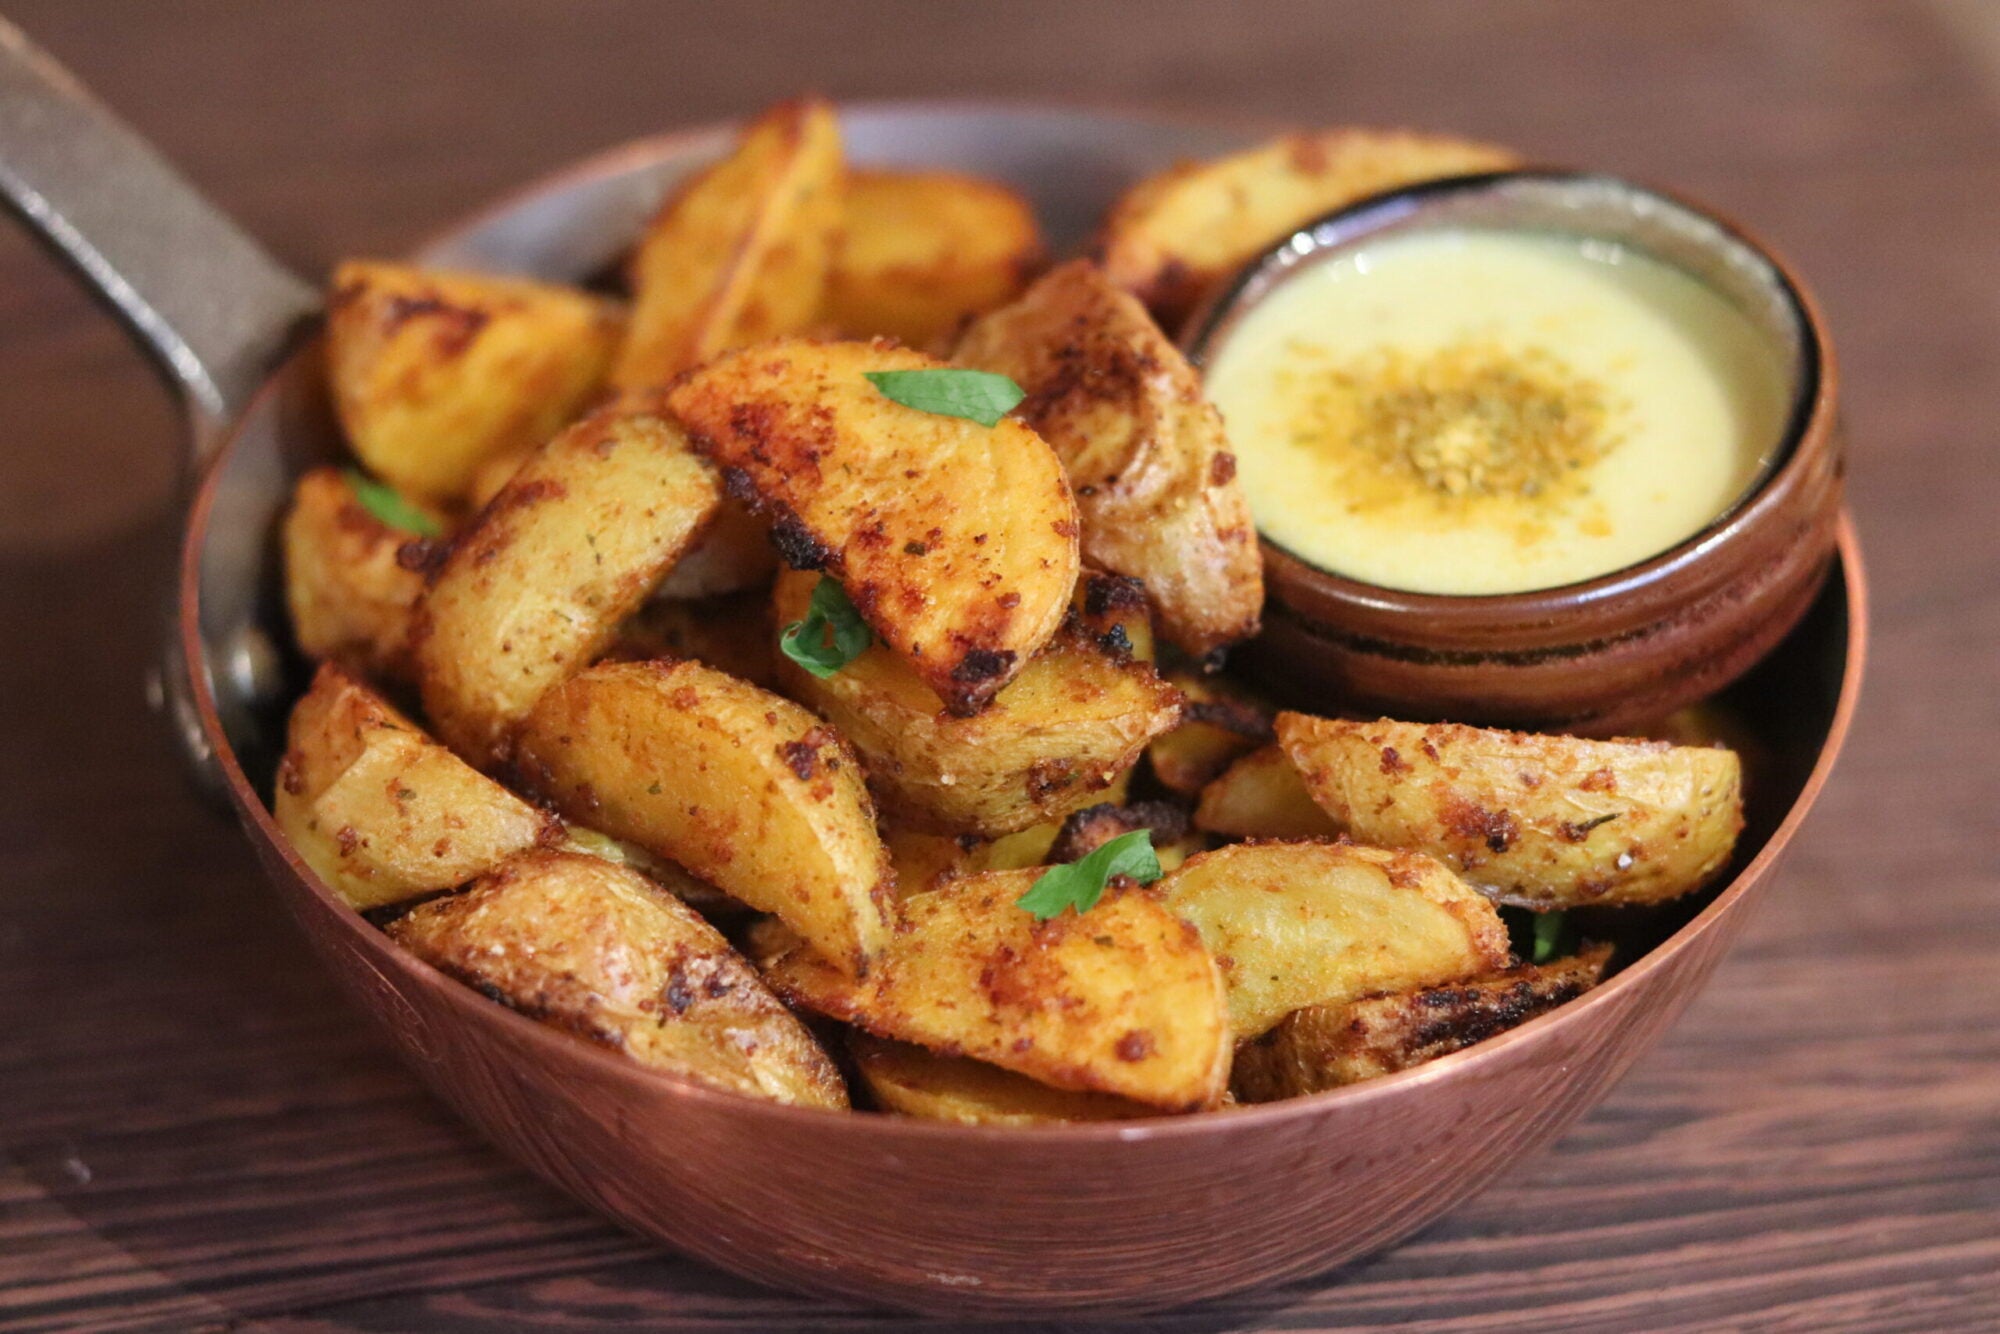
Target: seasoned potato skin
[
  {"x": 435, "y": 373},
  {"x": 1172, "y": 237},
  {"x": 1144, "y": 451},
  {"x": 599, "y": 951},
  {"x": 956, "y": 542},
  {"x": 1298, "y": 924},
  {"x": 1262, "y": 796},
  {"x": 1122, "y": 1000},
  {"x": 1060, "y": 733},
  {"x": 381, "y": 812},
  {"x": 1540, "y": 821},
  {"x": 746, "y": 790},
  {"x": 349, "y": 593},
  {"x": 537, "y": 586},
  {"x": 1326, "y": 1046},
  {"x": 922, "y": 250},
  {"x": 1220, "y": 723},
  {"x": 911, "y": 1081},
  {"x": 742, "y": 252}
]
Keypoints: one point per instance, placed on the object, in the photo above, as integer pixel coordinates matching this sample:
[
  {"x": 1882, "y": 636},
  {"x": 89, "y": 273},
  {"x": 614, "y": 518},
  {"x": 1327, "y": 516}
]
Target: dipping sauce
[{"x": 1473, "y": 411}]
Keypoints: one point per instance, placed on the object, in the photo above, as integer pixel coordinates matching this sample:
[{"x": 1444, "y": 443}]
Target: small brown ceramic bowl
[
  {"x": 1615, "y": 652},
  {"x": 1107, "y": 1217}
]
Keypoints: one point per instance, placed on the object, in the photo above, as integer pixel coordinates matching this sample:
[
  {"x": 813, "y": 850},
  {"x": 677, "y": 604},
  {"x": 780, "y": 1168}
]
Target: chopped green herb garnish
[
  {"x": 832, "y": 634},
  {"x": 1548, "y": 935},
  {"x": 979, "y": 396},
  {"x": 382, "y": 501},
  {"x": 1080, "y": 884}
]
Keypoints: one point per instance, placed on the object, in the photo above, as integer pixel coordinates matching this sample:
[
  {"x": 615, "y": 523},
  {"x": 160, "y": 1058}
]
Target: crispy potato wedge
[
  {"x": 741, "y": 253},
  {"x": 540, "y": 582},
  {"x": 1220, "y": 723},
  {"x": 1091, "y": 828},
  {"x": 956, "y": 542},
  {"x": 1542, "y": 821},
  {"x": 381, "y": 812},
  {"x": 748, "y": 791},
  {"x": 1298, "y": 924},
  {"x": 1173, "y": 236},
  {"x": 911, "y": 1081},
  {"x": 1326, "y": 1046},
  {"x": 435, "y": 373},
  {"x": 922, "y": 250},
  {"x": 732, "y": 633},
  {"x": 1060, "y": 733},
  {"x": 1121, "y": 1000},
  {"x": 1262, "y": 796},
  {"x": 349, "y": 594},
  {"x": 597, "y": 950},
  {"x": 1145, "y": 453}
]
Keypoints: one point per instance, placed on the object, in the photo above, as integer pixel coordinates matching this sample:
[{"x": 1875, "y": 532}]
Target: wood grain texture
[{"x": 197, "y": 1133}]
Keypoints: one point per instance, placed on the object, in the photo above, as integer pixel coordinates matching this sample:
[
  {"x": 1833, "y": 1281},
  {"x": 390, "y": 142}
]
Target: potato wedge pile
[{"x": 823, "y": 642}]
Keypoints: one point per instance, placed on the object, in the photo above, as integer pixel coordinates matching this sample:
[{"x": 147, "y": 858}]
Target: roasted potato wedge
[
  {"x": 911, "y": 1081},
  {"x": 1051, "y": 741},
  {"x": 540, "y": 582},
  {"x": 732, "y": 634},
  {"x": 1145, "y": 453},
  {"x": 1220, "y": 723},
  {"x": 1173, "y": 236},
  {"x": 1091, "y": 828},
  {"x": 349, "y": 593},
  {"x": 741, "y": 253},
  {"x": 434, "y": 374},
  {"x": 746, "y": 790},
  {"x": 1262, "y": 796},
  {"x": 1298, "y": 924},
  {"x": 921, "y": 250},
  {"x": 597, "y": 950},
  {"x": 956, "y": 542},
  {"x": 1121, "y": 1000},
  {"x": 381, "y": 812},
  {"x": 1541, "y": 821},
  {"x": 1325, "y": 1046}
]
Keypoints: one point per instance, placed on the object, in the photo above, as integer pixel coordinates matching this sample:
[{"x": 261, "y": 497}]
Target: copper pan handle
[{"x": 204, "y": 300}]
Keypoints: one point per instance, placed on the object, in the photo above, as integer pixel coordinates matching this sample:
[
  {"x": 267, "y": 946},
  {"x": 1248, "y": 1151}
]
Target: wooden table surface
[{"x": 194, "y": 1133}]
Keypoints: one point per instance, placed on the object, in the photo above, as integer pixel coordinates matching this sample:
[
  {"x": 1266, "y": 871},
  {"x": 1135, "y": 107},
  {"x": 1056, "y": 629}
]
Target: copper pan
[{"x": 1103, "y": 1217}]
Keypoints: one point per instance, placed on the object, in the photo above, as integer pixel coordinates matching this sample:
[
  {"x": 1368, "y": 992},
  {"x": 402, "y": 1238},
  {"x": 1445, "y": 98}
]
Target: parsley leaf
[
  {"x": 1548, "y": 935},
  {"x": 979, "y": 396},
  {"x": 1081, "y": 884},
  {"x": 832, "y": 634},
  {"x": 382, "y": 501}
]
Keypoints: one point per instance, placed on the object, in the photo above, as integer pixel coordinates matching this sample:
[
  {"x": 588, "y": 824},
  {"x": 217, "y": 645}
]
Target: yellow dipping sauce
[{"x": 1492, "y": 411}]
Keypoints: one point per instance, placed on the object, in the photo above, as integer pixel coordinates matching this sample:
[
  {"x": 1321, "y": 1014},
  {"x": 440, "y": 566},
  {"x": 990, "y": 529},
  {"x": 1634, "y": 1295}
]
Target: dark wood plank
[{"x": 193, "y": 1132}]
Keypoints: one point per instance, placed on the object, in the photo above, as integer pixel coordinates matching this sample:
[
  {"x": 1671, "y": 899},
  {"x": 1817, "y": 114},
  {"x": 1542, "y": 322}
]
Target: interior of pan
[{"x": 575, "y": 226}]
